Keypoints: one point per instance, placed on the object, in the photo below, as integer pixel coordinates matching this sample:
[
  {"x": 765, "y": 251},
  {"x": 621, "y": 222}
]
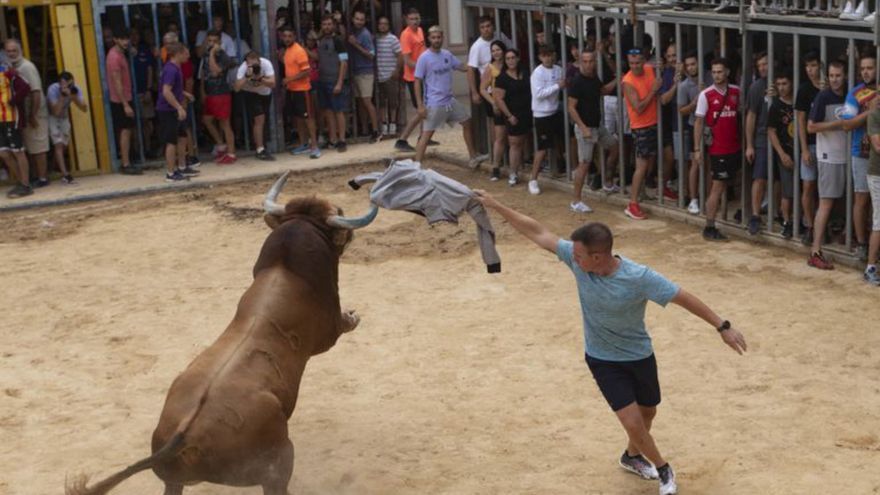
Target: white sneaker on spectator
[
  {"x": 392, "y": 128},
  {"x": 847, "y": 13},
  {"x": 512, "y": 180},
  {"x": 477, "y": 160},
  {"x": 694, "y": 207},
  {"x": 870, "y": 18},
  {"x": 581, "y": 207},
  {"x": 534, "y": 188},
  {"x": 384, "y": 129}
]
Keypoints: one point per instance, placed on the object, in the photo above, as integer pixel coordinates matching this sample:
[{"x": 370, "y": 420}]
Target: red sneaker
[
  {"x": 635, "y": 212},
  {"x": 669, "y": 194},
  {"x": 817, "y": 260},
  {"x": 226, "y": 159}
]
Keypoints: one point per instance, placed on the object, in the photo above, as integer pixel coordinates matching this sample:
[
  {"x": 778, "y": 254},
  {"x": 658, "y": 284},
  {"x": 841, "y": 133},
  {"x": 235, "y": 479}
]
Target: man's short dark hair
[
  {"x": 121, "y": 33},
  {"x": 721, "y": 61},
  {"x": 214, "y": 34},
  {"x": 412, "y": 10},
  {"x": 538, "y": 28},
  {"x": 546, "y": 49},
  {"x": 784, "y": 73},
  {"x": 287, "y": 28},
  {"x": 65, "y": 76},
  {"x": 837, "y": 64},
  {"x": 595, "y": 236},
  {"x": 486, "y": 18},
  {"x": 870, "y": 53},
  {"x": 812, "y": 56},
  {"x": 328, "y": 16},
  {"x": 691, "y": 54}
]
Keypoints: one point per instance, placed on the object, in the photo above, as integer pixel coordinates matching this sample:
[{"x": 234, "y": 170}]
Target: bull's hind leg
[
  {"x": 171, "y": 489},
  {"x": 280, "y": 471}
]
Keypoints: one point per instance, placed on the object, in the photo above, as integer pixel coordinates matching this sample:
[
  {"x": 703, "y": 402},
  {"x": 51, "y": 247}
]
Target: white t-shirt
[
  {"x": 266, "y": 69},
  {"x": 481, "y": 52}
]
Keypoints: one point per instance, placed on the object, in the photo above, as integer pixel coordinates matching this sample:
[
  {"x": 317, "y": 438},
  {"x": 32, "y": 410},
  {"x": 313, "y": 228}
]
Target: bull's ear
[{"x": 272, "y": 220}]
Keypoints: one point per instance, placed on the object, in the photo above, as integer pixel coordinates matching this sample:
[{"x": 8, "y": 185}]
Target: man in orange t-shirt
[
  {"x": 298, "y": 105},
  {"x": 640, "y": 88},
  {"x": 412, "y": 45}
]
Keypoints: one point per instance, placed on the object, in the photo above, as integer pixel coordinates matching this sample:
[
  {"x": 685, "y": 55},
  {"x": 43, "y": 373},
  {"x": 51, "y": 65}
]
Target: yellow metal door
[{"x": 71, "y": 48}]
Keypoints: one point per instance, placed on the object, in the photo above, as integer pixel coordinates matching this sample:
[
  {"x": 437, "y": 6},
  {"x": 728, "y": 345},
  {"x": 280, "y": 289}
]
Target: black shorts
[
  {"x": 411, "y": 86},
  {"x": 549, "y": 129},
  {"x": 120, "y": 120},
  {"x": 645, "y": 141},
  {"x": 170, "y": 128},
  {"x": 10, "y": 137},
  {"x": 724, "y": 167},
  {"x": 523, "y": 125},
  {"x": 625, "y": 382},
  {"x": 298, "y": 104},
  {"x": 257, "y": 104},
  {"x": 497, "y": 119},
  {"x": 667, "y": 135}
]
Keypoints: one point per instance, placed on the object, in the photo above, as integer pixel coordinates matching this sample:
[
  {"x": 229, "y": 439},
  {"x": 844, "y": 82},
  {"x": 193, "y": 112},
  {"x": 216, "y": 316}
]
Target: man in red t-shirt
[
  {"x": 412, "y": 45},
  {"x": 718, "y": 109}
]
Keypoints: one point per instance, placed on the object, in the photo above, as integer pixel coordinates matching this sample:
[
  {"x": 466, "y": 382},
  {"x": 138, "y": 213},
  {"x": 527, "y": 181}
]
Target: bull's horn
[
  {"x": 354, "y": 223},
  {"x": 273, "y": 208}
]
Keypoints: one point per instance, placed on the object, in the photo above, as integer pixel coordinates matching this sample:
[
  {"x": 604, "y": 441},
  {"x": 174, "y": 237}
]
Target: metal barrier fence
[{"x": 785, "y": 38}]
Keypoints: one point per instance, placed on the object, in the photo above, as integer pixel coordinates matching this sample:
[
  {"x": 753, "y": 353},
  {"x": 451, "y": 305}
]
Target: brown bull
[{"x": 225, "y": 417}]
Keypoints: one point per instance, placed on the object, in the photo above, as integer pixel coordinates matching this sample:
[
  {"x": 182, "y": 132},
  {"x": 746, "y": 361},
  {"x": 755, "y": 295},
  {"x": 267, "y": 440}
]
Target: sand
[{"x": 456, "y": 381}]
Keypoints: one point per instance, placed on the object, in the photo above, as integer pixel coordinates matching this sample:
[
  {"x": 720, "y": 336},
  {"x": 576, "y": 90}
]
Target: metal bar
[
  {"x": 184, "y": 36},
  {"x": 659, "y": 160},
  {"x": 849, "y": 158},
  {"x": 240, "y": 58},
  {"x": 137, "y": 101},
  {"x": 620, "y": 127},
  {"x": 771, "y": 200},
  {"x": 530, "y": 27},
  {"x": 23, "y": 29},
  {"x": 701, "y": 78},
  {"x": 565, "y": 119},
  {"x": 680, "y": 158},
  {"x": 603, "y": 157},
  {"x": 796, "y": 196}
]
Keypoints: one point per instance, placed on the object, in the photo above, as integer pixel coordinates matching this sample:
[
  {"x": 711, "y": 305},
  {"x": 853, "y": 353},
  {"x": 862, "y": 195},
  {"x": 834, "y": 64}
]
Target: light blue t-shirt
[
  {"x": 435, "y": 71},
  {"x": 613, "y": 307}
]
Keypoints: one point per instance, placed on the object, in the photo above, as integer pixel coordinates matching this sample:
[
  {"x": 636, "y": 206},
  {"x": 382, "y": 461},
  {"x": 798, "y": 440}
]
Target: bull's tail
[{"x": 78, "y": 486}]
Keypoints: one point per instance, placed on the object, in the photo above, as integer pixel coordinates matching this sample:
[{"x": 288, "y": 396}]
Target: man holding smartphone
[{"x": 59, "y": 96}]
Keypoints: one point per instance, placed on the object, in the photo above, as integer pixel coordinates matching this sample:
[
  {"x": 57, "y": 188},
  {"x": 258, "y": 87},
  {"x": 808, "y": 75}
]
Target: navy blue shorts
[
  {"x": 625, "y": 382},
  {"x": 328, "y": 101}
]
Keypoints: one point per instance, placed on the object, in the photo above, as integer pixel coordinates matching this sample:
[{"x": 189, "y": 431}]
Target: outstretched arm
[
  {"x": 732, "y": 337},
  {"x": 525, "y": 225}
]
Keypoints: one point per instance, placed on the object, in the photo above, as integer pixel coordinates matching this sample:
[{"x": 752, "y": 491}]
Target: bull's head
[{"x": 341, "y": 226}]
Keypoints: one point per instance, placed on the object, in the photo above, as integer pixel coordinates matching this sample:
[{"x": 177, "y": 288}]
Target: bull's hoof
[{"x": 350, "y": 320}]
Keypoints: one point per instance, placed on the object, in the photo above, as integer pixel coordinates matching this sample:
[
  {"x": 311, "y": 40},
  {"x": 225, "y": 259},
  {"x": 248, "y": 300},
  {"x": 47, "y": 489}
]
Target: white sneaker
[
  {"x": 850, "y": 14},
  {"x": 534, "y": 188},
  {"x": 667, "y": 481},
  {"x": 869, "y": 18},
  {"x": 477, "y": 160},
  {"x": 694, "y": 207},
  {"x": 581, "y": 207},
  {"x": 512, "y": 180},
  {"x": 385, "y": 129},
  {"x": 392, "y": 128}
]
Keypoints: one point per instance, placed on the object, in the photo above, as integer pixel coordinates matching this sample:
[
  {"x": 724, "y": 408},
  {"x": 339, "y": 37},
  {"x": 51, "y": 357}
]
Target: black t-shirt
[
  {"x": 781, "y": 118},
  {"x": 517, "y": 94},
  {"x": 805, "y": 96},
  {"x": 588, "y": 92}
]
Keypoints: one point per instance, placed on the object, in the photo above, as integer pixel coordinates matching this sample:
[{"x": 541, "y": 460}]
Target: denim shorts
[
  {"x": 328, "y": 101},
  {"x": 808, "y": 170}
]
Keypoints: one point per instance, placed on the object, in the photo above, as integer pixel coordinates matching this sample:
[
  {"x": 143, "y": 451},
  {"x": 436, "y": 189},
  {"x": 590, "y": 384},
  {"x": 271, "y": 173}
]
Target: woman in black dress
[{"x": 513, "y": 97}]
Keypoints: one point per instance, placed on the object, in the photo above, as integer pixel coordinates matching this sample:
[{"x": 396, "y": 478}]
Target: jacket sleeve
[{"x": 485, "y": 236}]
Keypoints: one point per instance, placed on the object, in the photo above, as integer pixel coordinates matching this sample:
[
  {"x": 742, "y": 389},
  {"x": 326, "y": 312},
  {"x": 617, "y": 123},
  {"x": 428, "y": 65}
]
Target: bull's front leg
[{"x": 350, "y": 320}]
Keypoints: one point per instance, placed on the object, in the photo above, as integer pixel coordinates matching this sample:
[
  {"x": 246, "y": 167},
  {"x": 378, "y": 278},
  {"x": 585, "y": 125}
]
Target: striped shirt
[
  {"x": 387, "y": 51},
  {"x": 8, "y": 112}
]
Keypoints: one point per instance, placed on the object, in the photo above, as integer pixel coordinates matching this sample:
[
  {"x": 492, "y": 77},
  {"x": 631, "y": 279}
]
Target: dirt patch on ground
[{"x": 457, "y": 381}]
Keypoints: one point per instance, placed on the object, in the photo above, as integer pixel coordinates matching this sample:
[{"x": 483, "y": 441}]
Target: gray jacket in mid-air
[{"x": 404, "y": 185}]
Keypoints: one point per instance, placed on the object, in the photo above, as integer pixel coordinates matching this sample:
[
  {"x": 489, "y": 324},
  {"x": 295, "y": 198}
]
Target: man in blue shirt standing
[
  {"x": 362, "y": 54},
  {"x": 613, "y": 293}
]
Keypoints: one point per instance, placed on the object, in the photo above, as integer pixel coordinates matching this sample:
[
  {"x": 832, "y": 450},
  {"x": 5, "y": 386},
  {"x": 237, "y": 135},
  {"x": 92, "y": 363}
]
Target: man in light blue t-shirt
[
  {"x": 434, "y": 99},
  {"x": 613, "y": 293}
]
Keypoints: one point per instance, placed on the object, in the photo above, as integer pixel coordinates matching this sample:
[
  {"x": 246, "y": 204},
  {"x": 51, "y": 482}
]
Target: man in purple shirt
[
  {"x": 434, "y": 99},
  {"x": 171, "y": 114}
]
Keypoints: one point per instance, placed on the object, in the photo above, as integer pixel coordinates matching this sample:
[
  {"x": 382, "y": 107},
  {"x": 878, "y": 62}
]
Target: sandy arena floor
[{"x": 456, "y": 381}]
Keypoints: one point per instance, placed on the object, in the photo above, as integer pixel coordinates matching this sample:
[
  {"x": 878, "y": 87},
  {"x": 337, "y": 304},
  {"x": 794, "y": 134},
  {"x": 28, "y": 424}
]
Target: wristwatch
[{"x": 725, "y": 325}]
